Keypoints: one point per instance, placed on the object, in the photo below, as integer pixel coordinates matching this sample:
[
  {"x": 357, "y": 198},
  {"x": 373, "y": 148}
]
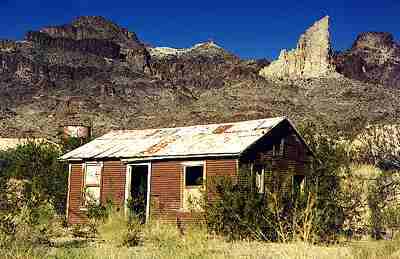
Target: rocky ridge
[{"x": 115, "y": 81}]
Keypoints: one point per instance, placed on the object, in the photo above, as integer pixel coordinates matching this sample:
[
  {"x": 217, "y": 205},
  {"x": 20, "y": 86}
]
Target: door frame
[{"x": 128, "y": 186}]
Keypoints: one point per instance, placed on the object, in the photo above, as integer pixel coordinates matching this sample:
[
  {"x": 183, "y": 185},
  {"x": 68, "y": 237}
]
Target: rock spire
[{"x": 311, "y": 58}]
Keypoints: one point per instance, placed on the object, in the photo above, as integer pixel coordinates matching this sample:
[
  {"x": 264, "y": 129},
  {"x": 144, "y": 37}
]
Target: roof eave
[{"x": 152, "y": 158}]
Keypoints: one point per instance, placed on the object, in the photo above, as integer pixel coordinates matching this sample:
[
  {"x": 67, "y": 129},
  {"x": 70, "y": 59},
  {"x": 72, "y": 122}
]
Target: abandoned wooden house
[{"x": 164, "y": 167}]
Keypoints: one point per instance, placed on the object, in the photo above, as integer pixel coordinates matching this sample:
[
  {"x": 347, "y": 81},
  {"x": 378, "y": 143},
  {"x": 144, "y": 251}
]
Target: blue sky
[{"x": 250, "y": 29}]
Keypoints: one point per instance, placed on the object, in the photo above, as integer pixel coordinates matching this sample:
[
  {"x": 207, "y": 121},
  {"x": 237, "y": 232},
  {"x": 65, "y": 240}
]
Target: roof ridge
[{"x": 197, "y": 125}]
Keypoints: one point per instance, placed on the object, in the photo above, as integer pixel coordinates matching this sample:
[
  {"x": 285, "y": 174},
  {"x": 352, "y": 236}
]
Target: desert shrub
[
  {"x": 136, "y": 206},
  {"x": 391, "y": 219},
  {"x": 113, "y": 226},
  {"x": 97, "y": 214},
  {"x": 240, "y": 212},
  {"x": 237, "y": 211},
  {"x": 354, "y": 192},
  {"x": 332, "y": 161},
  {"x": 72, "y": 143},
  {"x": 37, "y": 164},
  {"x": 30, "y": 225}
]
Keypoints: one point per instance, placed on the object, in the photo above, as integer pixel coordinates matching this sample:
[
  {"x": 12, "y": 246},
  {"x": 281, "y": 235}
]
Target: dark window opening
[
  {"x": 193, "y": 175},
  {"x": 297, "y": 182}
]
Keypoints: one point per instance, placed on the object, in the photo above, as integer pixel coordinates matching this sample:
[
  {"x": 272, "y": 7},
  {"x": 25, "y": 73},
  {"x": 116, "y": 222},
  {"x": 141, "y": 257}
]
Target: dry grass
[{"x": 163, "y": 241}]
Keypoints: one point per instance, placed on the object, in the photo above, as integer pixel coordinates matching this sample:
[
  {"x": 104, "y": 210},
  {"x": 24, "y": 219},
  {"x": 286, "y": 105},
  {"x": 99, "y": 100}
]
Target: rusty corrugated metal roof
[{"x": 200, "y": 140}]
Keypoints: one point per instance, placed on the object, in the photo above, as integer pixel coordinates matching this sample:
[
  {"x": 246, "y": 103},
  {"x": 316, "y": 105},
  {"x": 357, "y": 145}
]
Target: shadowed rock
[{"x": 374, "y": 57}]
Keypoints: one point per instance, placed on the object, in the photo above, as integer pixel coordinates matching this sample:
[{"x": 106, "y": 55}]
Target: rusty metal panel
[
  {"x": 75, "y": 214},
  {"x": 166, "y": 187},
  {"x": 200, "y": 140},
  {"x": 113, "y": 182}
]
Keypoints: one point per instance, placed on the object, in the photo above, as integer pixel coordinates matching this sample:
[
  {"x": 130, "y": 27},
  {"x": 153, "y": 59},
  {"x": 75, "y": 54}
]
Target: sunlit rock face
[{"x": 311, "y": 58}]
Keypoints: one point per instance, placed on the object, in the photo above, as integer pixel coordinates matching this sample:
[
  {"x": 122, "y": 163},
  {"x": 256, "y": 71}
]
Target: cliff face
[
  {"x": 310, "y": 59},
  {"x": 374, "y": 57},
  {"x": 99, "y": 47}
]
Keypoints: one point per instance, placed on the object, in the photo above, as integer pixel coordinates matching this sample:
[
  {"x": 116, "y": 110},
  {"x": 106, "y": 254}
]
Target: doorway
[{"x": 138, "y": 191}]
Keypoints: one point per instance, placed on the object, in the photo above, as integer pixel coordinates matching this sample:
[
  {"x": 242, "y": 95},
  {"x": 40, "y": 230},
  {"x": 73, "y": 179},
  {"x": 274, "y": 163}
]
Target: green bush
[
  {"x": 331, "y": 160},
  {"x": 238, "y": 211},
  {"x": 30, "y": 226},
  {"x": 37, "y": 164}
]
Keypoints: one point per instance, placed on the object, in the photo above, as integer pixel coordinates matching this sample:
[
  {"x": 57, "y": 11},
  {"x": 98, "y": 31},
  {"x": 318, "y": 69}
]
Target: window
[
  {"x": 92, "y": 181},
  {"x": 194, "y": 175},
  {"x": 278, "y": 149},
  {"x": 260, "y": 180},
  {"x": 297, "y": 185}
]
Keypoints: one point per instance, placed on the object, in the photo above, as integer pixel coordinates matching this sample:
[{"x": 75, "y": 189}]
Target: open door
[{"x": 137, "y": 196}]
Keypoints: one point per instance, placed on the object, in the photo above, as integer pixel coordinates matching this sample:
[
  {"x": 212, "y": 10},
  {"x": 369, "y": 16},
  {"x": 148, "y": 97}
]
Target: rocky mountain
[
  {"x": 374, "y": 57},
  {"x": 94, "y": 71}
]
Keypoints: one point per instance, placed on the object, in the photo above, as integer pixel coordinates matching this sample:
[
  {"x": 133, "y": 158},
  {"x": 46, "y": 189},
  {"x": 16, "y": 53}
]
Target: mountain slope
[{"x": 94, "y": 71}]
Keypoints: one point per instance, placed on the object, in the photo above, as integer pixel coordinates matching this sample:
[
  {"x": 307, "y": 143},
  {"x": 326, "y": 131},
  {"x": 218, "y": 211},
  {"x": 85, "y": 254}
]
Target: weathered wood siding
[
  {"x": 167, "y": 187},
  {"x": 112, "y": 187},
  {"x": 113, "y": 182},
  {"x": 293, "y": 161},
  {"x": 75, "y": 215},
  {"x": 220, "y": 167},
  {"x": 282, "y": 165}
]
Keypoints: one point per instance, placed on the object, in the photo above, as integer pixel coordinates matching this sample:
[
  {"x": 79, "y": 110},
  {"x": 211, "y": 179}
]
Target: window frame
[
  {"x": 279, "y": 149},
  {"x": 188, "y": 189},
  {"x": 84, "y": 199},
  {"x": 194, "y": 164}
]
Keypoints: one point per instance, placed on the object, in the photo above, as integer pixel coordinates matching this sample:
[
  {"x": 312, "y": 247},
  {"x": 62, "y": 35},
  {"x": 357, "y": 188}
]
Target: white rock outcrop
[{"x": 311, "y": 58}]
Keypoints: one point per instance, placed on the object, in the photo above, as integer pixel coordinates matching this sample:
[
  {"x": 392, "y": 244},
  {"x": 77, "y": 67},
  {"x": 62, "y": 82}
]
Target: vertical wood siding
[
  {"x": 167, "y": 188},
  {"x": 113, "y": 182},
  {"x": 220, "y": 167},
  {"x": 293, "y": 161},
  {"x": 75, "y": 215},
  {"x": 112, "y": 187}
]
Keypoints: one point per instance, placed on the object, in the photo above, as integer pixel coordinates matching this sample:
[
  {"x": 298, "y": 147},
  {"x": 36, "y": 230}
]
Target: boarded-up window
[{"x": 92, "y": 183}]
